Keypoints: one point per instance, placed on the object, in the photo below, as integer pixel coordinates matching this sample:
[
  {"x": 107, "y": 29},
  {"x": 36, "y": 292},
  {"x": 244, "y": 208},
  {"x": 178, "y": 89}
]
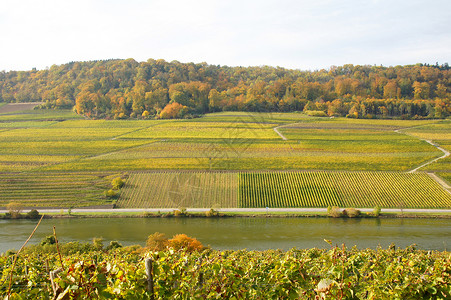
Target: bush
[
  {"x": 351, "y": 212},
  {"x": 97, "y": 243},
  {"x": 157, "y": 241},
  {"x": 377, "y": 211},
  {"x": 33, "y": 214},
  {"x": 48, "y": 240},
  {"x": 180, "y": 212},
  {"x": 113, "y": 245},
  {"x": 335, "y": 212},
  {"x": 211, "y": 213},
  {"x": 117, "y": 183},
  {"x": 10, "y": 252},
  {"x": 182, "y": 241},
  {"x": 111, "y": 194}
]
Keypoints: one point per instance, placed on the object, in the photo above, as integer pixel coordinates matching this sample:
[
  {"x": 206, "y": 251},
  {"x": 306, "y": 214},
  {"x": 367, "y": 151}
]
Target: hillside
[{"x": 123, "y": 89}]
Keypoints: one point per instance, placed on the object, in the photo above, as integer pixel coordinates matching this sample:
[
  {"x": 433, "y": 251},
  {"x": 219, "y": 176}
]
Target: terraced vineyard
[
  {"x": 283, "y": 189},
  {"x": 53, "y": 189}
]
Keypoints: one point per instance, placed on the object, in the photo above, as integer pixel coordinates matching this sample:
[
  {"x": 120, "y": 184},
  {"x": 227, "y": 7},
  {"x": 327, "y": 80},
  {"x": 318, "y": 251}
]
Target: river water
[{"x": 241, "y": 233}]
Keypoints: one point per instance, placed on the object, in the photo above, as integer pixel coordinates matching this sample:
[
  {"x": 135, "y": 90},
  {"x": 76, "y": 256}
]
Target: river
[{"x": 241, "y": 233}]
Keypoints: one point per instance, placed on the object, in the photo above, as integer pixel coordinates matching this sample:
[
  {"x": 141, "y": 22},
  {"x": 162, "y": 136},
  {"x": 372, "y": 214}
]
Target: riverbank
[{"x": 233, "y": 212}]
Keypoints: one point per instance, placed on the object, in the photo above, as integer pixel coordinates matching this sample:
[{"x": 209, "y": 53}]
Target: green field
[{"x": 38, "y": 143}]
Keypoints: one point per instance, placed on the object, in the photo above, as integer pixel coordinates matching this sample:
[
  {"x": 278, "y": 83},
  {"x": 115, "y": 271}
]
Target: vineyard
[
  {"x": 46, "y": 141},
  {"x": 53, "y": 189},
  {"x": 338, "y": 273},
  {"x": 283, "y": 189},
  {"x": 233, "y": 147},
  {"x": 343, "y": 189},
  {"x": 180, "y": 189}
]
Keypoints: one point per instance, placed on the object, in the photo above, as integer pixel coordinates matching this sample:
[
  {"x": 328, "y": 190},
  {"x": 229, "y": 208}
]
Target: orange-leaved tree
[
  {"x": 182, "y": 241},
  {"x": 173, "y": 110}
]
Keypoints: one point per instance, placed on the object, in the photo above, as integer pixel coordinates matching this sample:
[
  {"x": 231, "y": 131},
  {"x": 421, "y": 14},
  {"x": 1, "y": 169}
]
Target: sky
[{"x": 295, "y": 34}]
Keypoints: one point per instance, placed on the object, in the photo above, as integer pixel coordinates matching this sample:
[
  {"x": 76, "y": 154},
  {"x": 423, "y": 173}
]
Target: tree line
[{"x": 123, "y": 89}]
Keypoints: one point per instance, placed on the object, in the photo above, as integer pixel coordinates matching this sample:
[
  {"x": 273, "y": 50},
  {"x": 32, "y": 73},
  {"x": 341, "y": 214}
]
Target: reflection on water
[{"x": 240, "y": 233}]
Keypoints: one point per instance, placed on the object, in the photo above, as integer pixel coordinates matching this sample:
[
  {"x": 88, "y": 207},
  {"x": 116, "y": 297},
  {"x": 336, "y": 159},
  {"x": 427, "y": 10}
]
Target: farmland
[
  {"x": 283, "y": 190},
  {"x": 53, "y": 189},
  {"x": 39, "y": 143}
]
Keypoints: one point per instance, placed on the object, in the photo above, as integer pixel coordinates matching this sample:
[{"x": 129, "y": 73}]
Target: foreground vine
[{"x": 120, "y": 273}]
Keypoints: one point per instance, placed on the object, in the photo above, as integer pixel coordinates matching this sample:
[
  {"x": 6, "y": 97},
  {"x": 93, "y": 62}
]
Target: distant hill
[{"x": 123, "y": 89}]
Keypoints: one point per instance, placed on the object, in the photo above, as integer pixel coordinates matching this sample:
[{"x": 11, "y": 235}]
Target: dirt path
[
  {"x": 276, "y": 129},
  {"x": 439, "y": 180},
  {"x": 445, "y": 152}
]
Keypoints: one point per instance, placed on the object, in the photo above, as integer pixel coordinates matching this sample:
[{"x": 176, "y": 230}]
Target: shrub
[
  {"x": 335, "y": 212},
  {"x": 157, "y": 241},
  {"x": 111, "y": 194},
  {"x": 10, "y": 252},
  {"x": 377, "y": 210},
  {"x": 351, "y": 212},
  {"x": 133, "y": 249},
  {"x": 113, "y": 245},
  {"x": 48, "y": 240},
  {"x": 33, "y": 214},
  {"x": 97, "y": 243},
  {"x": 181, "y": 212},
  {"x": 117, "y": 183},
  {"x": 211, "y": 213},
  {"x": 145, "y": 114},
  {"x": 182, "y": 241}
]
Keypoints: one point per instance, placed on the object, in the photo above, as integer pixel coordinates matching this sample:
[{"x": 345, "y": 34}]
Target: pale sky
[{"x": 296, "y": 34}]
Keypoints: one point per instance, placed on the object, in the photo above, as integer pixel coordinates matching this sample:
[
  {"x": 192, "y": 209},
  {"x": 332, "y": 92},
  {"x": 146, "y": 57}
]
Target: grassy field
[{"x": 38, "y": 142}]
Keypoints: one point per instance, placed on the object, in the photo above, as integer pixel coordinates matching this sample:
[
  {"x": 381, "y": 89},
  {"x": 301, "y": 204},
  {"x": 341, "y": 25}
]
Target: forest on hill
[{"x": 122, "y": 89}]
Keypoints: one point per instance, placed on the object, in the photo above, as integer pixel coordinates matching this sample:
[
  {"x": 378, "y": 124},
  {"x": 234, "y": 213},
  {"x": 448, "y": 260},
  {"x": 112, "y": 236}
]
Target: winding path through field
[
  {"x": 276, "y": 129},
  {"x": 445, "y": 154}
]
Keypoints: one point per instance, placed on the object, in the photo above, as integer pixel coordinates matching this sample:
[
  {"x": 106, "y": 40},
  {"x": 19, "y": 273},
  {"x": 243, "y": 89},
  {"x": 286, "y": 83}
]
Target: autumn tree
[{"x": 173, "y": 110}]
